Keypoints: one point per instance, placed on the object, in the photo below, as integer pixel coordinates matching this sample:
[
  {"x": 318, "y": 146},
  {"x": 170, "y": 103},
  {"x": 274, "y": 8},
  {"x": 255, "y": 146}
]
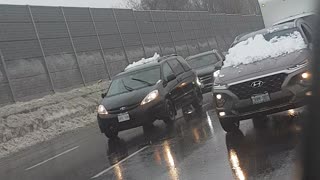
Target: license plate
[
  {"x": 260, "y": 98},
  {"x": 123, "y": 117}
]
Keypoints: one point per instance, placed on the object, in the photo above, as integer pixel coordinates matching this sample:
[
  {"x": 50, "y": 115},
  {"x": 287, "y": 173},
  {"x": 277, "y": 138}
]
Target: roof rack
[{"x": 166, "y": 57}]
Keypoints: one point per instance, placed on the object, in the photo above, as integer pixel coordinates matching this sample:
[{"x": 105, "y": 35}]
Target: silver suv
[{"x": 271, "y": 85}]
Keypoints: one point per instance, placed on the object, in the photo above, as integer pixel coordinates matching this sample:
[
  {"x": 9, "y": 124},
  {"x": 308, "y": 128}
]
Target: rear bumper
[{"x": 138, "y": 117}]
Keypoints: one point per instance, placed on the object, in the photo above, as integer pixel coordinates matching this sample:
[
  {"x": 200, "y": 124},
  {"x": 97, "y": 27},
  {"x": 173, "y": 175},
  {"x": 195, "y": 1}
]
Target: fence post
[
  {"x": 204, "y": 28},
  {"x": 174, "y": 44},
  {"x": 8, "y": 78},
  {"x": 142, "y": 43},
  {"x": 41, "y": 48},
  {"x": 99, "y": 41},
  {"x": 194, "y": 32},
  {"x": 72, "y": 44},
  {"x": 155, "y": 29},
  {"x": 120, "y": 34},
  {"x": 184, "y": 35}
]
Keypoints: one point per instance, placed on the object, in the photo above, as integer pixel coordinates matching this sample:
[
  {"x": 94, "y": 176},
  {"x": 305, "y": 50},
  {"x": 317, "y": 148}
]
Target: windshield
[
  {"x": 134, "y": 80},
  {"x": 203, "y": 61}
]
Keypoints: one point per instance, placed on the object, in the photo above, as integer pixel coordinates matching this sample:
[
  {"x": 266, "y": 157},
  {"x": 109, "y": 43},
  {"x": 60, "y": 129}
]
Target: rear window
[{"x": 203, "y": 61}]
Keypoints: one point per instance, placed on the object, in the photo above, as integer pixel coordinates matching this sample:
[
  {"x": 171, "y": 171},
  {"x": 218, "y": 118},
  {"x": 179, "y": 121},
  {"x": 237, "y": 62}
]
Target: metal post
[
  {"x": 122, "y": 42},
  {"x": 8, "y": 78},
  {"x": 74, "y": 49},
  {"x": 135, "y": 20},
  {"x": 204, "y": 28},
  {"x": 193, "y": 32},
  {"x": 174, "y": 44},
  {"x": 99, "y": 41},
  {"x": 155, "y": 28},
  {"x": 184, "y": 35},
  {"x": 41, "y": 48}
]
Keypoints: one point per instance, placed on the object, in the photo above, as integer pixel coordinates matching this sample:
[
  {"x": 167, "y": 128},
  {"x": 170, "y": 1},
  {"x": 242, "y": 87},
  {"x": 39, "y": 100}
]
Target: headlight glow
[
  {"x": 306, "y": 75},
  {"x": 219, "y": 96},
  {"x": 216, "y": 73},
  {"x": 102, "y": 110},
  {"x": 150, "y": 97}
]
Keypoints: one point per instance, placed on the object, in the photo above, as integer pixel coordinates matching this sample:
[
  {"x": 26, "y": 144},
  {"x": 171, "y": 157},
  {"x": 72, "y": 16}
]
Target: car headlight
[
  {"x": 150, "y": 97},
  {"x": 220, "y": 100},
  {"x": 306, "y": 75},
  {"x": 216, "y": 74},
  {"x": 102, "y": 110}
]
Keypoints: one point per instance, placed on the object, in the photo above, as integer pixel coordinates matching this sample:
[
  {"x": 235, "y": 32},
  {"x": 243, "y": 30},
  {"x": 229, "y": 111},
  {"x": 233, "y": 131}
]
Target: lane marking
[
  {"x": 56, "y": 156},
  {"x": 111, "y": 167}
]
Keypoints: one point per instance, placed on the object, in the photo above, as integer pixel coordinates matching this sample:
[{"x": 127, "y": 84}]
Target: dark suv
[
  {"x": 147, "y": 92},
  {"x": 271, "y": 85},
  {"x": 205, "y": 64}
]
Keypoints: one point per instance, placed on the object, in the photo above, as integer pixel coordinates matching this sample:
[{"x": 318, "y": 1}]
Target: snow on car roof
[
  {"x": 257, "y": 48},
  {"x": 143, "y": 61}
]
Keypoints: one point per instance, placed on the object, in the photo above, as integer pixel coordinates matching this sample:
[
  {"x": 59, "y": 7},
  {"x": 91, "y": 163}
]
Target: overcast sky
[{"x": 75, "y": 3}]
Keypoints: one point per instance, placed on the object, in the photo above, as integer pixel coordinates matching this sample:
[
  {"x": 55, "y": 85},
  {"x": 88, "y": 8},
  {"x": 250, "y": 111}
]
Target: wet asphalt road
[{"x": 195, "y": 148}]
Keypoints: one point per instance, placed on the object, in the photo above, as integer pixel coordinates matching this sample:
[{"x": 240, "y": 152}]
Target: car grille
[
  {"x": 120, "y": 110},
  {"x": 206, "y": 79},
  {"x": 271, "y": 84},
  {"x": 269, "y": 104}
]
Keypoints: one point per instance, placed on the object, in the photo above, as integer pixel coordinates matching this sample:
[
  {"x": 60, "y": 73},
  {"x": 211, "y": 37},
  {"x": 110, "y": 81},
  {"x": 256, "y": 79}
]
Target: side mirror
[
  {"x": 171, "y": 77},
  {"x": 103, "y": 95}
]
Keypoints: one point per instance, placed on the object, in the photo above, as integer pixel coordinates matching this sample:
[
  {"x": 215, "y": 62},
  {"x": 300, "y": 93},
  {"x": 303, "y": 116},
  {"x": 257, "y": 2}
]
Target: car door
[
  {"x": 171, "y": 87},
  {"x": 184, "y": 81}
]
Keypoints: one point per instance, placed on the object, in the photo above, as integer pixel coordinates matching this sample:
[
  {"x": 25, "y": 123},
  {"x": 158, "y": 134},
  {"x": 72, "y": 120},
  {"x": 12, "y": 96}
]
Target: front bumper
[
  {"x": 290, "y": 96},
  {"x": 138, "y": 117}
]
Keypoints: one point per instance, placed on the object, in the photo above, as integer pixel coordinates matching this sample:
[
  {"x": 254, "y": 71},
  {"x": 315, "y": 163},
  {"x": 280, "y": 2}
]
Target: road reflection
[
  {"x": 167, "y": 146},
  {"x": 261, "y": 153}
]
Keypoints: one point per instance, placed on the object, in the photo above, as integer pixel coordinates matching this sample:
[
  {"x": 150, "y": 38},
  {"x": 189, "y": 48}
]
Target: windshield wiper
[
  {"x": 128, "y": 88},
  {"x": 143, "y": 81}
]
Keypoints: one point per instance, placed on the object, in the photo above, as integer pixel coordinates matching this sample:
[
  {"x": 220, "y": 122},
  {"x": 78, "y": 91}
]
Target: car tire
[
  {"x": 230, "y": 125},
  {"x": 198, "y": 100},
  {"x": 260, "y": 122},
  {"x": 111, "y": 134},
  {"x": 170, "y": 111}
]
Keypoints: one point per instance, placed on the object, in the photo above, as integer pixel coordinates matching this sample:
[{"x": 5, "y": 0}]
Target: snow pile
[
  {"x": 155, "y": 57},
  {"x": 27, "y": 123},
  {"x": 258, "y": 48}
]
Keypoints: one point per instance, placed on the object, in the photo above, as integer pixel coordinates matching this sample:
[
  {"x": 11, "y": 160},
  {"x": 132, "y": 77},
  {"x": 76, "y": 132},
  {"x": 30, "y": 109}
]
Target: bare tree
[{"x": 213, "y": 6}]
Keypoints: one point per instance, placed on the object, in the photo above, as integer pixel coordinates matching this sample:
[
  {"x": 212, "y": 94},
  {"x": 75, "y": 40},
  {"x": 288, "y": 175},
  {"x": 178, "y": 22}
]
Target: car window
[
  {"x": 134, "y": 80},
  {"x": 166, "y": 70},
  {"x": 307, "y": 33},
  {"x": 176, "y": 66},
  {"x": 203, "y": 61}
]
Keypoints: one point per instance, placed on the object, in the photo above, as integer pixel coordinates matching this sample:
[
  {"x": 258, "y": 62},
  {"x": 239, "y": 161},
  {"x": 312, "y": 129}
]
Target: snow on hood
[
  {"x": 257, "y": 48},
  {"x": 155, "y": 57}
]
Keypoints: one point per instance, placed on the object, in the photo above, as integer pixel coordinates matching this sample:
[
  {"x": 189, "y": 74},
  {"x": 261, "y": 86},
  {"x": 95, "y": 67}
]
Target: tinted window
[
  {"x": 203, "y": 61},
  {"x": 176, "y": 66},
  {"x": 167, "y": 70},
  {"x": 134, "y": 80}
]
